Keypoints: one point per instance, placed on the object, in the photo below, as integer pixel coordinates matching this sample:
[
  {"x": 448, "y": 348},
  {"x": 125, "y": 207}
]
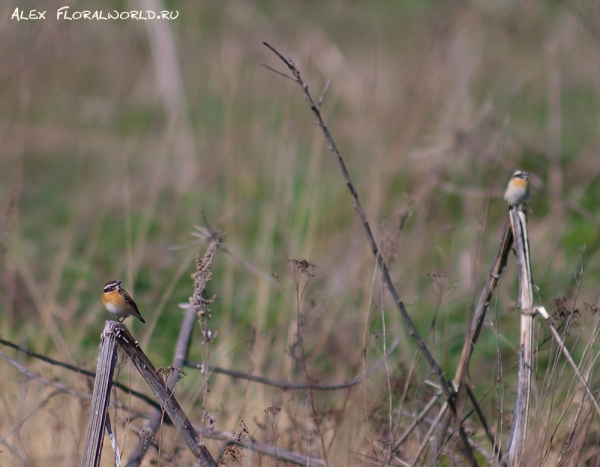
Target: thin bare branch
[
  {"x": 447, "y": 391},
  {"x": 288, "y": 62},
  {"x": 297, "y": 386}
]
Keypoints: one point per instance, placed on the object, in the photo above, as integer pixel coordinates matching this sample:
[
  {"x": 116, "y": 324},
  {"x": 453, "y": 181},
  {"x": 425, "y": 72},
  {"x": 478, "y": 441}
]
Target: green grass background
[{"x": 432, "y": 105}]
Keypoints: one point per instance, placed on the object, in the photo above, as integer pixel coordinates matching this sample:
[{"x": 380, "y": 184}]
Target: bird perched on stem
[
  {"x": 118, "y": 302},
  {"x": 517, "y": 191}
]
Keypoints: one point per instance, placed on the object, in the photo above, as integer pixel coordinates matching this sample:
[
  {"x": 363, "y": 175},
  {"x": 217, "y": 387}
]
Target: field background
[{"x": 111, "y": 154}]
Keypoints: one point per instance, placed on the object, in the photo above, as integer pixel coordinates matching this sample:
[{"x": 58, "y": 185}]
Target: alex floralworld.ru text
[{"x": 63, "y": 13}]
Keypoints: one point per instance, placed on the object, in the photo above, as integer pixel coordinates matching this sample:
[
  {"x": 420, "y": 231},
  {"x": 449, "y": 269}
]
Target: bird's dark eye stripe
[{"x": 111, "y": 286}]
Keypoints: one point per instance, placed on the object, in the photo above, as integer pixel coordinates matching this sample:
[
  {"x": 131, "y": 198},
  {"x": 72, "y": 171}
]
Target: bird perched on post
[
  {"x": 118, "y": 302},
  {"x": 517, "y": 191}
]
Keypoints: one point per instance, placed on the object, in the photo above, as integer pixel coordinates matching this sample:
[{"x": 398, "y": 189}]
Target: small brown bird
[
  {"x": 517, "y": 191},
  {"x": 118, "y": 302}
]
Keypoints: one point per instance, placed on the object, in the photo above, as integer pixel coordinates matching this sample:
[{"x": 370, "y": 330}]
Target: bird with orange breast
[
  {"x": 517, "y": 191},
  {"x": 118, "y": 302}
]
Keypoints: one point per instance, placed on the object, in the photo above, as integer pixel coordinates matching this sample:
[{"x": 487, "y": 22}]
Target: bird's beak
[{"x": 119, "y": 282}]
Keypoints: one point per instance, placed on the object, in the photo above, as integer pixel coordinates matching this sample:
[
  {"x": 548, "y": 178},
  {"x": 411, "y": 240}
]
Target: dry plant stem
[
  {"x": 263, "y": 448},
  {"x": 152, "y": 425},
  {"x": 518, "y": 435},
  {"x": 188, "y": 321},
  {"x": 43, "y": 307},
  {"x": 311, "y": 399},
  {"x": 30, "y": 374},
  {"x": 155, "y": 417},
  {"x": 478, "y": 319},
  {"x": 585, "y": 434},
  {"x": 113, "y": 442},
  {"x": 298, "y": 386},
  {"x": 482, "y": 306},
  {"x": 448, "y": 430},
  {"x": 578, "y": 373},
  {"x": 222, "y": 449},
  {"x": 417, "y": 420},
  {"x": 107, "y": 360},
  {"x": 403, "y": 398},
  {"x": 18, "y": 454},
  {"x": 81, "y": 395},
  {"x": 488, "y": 432},
  {"x": 165, "y": 397},
  {"x": 31, "y": 353},
  {"x": 375, "y": 250},
  {"x": 388, "y": 380},
  {"x": 17, "y": 425},
  {"x": 199, "y": 302},
  {"x": 581, "y": 16},
  {"x": 435, "y": 423}
]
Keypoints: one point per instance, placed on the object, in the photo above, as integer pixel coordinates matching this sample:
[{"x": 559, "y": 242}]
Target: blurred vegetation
[{"x": 432, "y": 104}]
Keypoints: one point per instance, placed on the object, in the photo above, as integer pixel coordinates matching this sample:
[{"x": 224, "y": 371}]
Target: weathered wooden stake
[
  {"x": 116, "y": 333},
  {"x": 107, "y": 359}
]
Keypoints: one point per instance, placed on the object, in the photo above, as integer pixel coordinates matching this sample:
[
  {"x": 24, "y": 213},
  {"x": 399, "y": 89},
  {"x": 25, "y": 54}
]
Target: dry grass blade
[
  {"x": 563, "y": 348},
  {"x": 113, "y": 442}
]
